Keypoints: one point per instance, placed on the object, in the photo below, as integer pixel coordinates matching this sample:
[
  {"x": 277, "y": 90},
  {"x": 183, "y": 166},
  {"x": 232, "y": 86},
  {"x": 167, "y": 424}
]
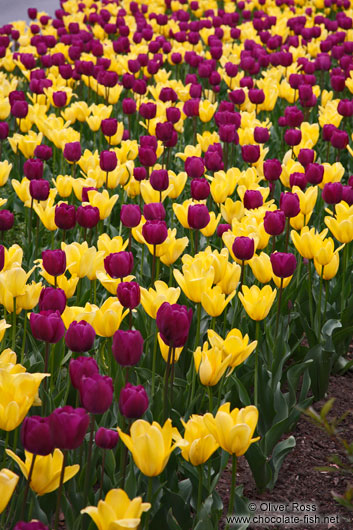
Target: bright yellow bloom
[
  {"x": 261, "y": 267},
  {"x": 5, "y": 169},
  {"x": 78, "y": 313},
  {"x": 152, "y": 299},
  {"x": 18, "y": 393},
  {"x": 151, "y": 195},
  {"x": 326, "y": 252},
  {"x": 22, "y": 190},
  {"x": 210, "y": 229},
  {"x": 68, "y": 285},
  {"x": 111, "y": 284},
  {"x": 223, "y": 185},
  {"x": 308, "y": 242},
  {"x": 26, "y": 144},
  {"x": 110, "y": 245},
  {"x": 3, "y": 327},
  {"x": 332, "y": 173},
  {"x": 172, "y": 248},
  {"x": 176, "y": 183},
  {"x": 200, "y": 443},
  {"x": 234, "y": 344},
  {"x": 109, "y": 317},
  {"x": 342, "y": 229},
  {"x": 181, "y": 212},
  {"x": 13, "y": 255},
  {"x": 99, "y": 113},
  {"x": 46, "y": 470},
  {"x": 330, "y": 270},
  {"x": 230, "y": 278},
  {"x": 13, "y": 284},
  {"x": 214, "y": 301},
  {"x": 307, "y": 198},
  {"x": 197, "y": 277},
  {"x": 8, "y": 483},
  {"x": 63, "y": 185},
  {"x": 31, "y": 296},
  {"x": 164, "y": 348},
  {"x": 46, "y": 213},
  {"x": 207, "y": 110},
  {"x": 82, "y": 260},
  {"x": 103, "y": 202},
  {"x": 150, "y": 445},
  {"x": 210, "y": 364},
  {"x": 257, "y": 302},
  {"x": 117, "y": 511},
  {"x": 299, "y": 221},
  {"x": 233, "y": 430},
  {"x": 231, "y": 210}
]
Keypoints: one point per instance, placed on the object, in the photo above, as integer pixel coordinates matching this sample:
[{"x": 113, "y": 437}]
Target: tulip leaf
[
  {"x": 172, "y": 522},
  {"x": 260, "y": 468},
  {"x": 293, "y": 375},
  {"x": 180, "y": 509},
  {"x": 185, "y": 489},
  {"x": 279, "y": 453}
]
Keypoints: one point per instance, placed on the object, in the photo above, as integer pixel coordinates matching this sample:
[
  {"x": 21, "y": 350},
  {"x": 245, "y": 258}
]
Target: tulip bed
[{"x": 176, "y": 224}]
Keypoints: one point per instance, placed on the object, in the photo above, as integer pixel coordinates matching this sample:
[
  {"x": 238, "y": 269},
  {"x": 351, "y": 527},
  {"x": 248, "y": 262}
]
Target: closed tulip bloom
[
  {"x": 127, "y": 347},
  {"x": 250, "y": 153},
  {"x": 65, "y": 216},
  {"x": 133, "y": 401},
  {"x": 306, "y": 156},
  {"x": 339, "y": 139},
  {"x": 200, "y": 189},
  {"x": 80, "y": 336},
  {"x": 261, "y": 135},
  {"x": 96, "y": 393},
  {"x": 154, "y": 211},
  {"x": 109, "y": 126},
  {"x": 155, "y": 232},
  {"x": 283, "y": 264},
  {"x": 298, "y": 179},
  {"x": 87, "y": 216},
  {"x": 147, "y": 156},
  {"x": 46, "y": 470},
  {"x": 72, "y": 151},
  {"x": 119, "y": 264},
  {"x": 222, "y": 228},
  {"x": 2, "y": 257},
  {"x": 274, "y": 222},
  {"x": 130, "y": 215},
  {"x": 210, "y": 364},
  {"x": 33, "y": 169},
  {"x": 47, "y": 326},
  {"x": 261, "y": 267},
  {"x": 8, "y": 483},
  {"x": 173, "y": 322},
  {"x": 314, "y": 173},
  {"x": 257, "y": 302},
  {"x": 36, "y": 436},
  {"x": 293, "y": 137},
  {"x": 159, "y": 179},
  {"x": 106, "y": 438},
  {"x": 272, "y": 169},
  {"x": 289, "y": 204},
  {"x": 19, "y": 109},
  {"x": 129, "y": 294},
  {"x": 6, "y": 220},
  {"x": 150, "y": 445},
  {"x": 347, "y": 195},
  {"x": 59, "y": 98},
  {"x": 4, "y": 130},
  {"x": 243, "y": 248},
  {"x": 164, "y": 131},
  {"x": 82, "y": 366},
  {"x": 233, "y": 430},
  {"x": 214, "y": 301},
  {"x": 198, "y": 216},
  {"x": 43, "y": 152},
  {"x": 34, "y": 525},
  {"x": 39, "y": 189},
  {"x": 108, "y": 160},
  {"x": 68, "y": 427},
  {"x": 252, "y": 199},
  {"x": 54, "y": 262},
  {"x": 199, "y": 444},
  {"x": 332, "y": 192},
  {"x": 117, "y": 510},
  {"x": 194, "y": 167}
]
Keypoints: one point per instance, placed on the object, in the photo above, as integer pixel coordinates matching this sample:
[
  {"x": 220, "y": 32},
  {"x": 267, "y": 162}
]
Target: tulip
[
  {"x": 289, "y": 204},
  {"x": 6, "y": 220},
  {"x": 96, "y": 393},
  {"x": 308, "y": 242},
  {"x": 127, "y": 347},
  {"x": 261, "y": 267},
  {"x": 243, "y": 248},
  {"x": 47, "y": 326},
  {"x": 332, "y": 192},
  {"x": 80, "y": 336},
  {"x": 72, "y": 152},
  {"x": 68, "y": 427},
  {"x": 109, "y": 317},
  {"x": 133, "y": 401},
  {"x": 117, "y": 510},
  {"x": 250, "y": 153},
  {"x": 65, "y": 216},
  {"x": 8, "y": 483},
  {"x": 252, "y": 199},
  {"x": 233, "y": 430},
  {"x": 33, "y": 169},
  {"x": 234, "y": 344},
  {"x": 36, "y": 436},
  {"x": 272, "y": 169},
  {"x": 194, "y": 167},
  {"x": 293, "y": 137},
  {"x": 173, "y": 322},
  {"x": 34, "y": 525},
  {"x": 54, "y": 262},
  {"x": 214, "y": 301},
  {"x": 283, "y": 264},
  {"x": 129, "y": 294},
  {"x": 200, "y": 189},
  {"x": 198, "y": 217},
  {"x": 198, "y": 444},
  {"x": 109, "y": 126},
  {"x": 210, "y": 364},
  {"x": 150, "y": 445},
  {"x": 159, "y": 179},
  {"x": 314, "y": 173},
  {"x": 87, "y": 216},
  {"x": 46, "y": 471},
  {"x": 43, "y": 152},
  {"x": 155, "y": 232},
  {"x": 257, "y": 302},
  {"x": 274, "y": 222},
  {"x": 152, "y": 300},
  {"x": 39, "y": 189},
  {"x": 130, "y": 215},
  {"x": 154, "y": 211},
  {"x": 82, "y": 366},
  {"x": 119, "y": 264},
  {"x": 106, "y": 438}
]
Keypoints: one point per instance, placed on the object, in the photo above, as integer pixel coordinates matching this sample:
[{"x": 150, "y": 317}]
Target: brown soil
[{"x": 298, "y": 479}]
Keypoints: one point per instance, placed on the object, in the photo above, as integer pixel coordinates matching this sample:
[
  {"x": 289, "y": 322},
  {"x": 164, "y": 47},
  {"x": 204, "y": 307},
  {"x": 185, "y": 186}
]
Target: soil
[{"x": 298, "y": 479}]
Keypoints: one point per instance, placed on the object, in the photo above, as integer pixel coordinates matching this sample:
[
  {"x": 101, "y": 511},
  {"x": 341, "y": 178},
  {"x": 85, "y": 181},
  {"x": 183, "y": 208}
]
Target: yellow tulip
[
  {"x": 214, "y": 301},
  {"x": 31, "y": 296},
  {"x": 181, "y": 212},
  {"x": 281, "y": 281},
  {"x": 197, "y": 277},
  {"x": 307, "y": 198},
  {"x": 299, "y": 221},
  {"x": 8, "y": 483},
  {"x": 103, "y": 202},
  {"x": 63, "y": 185},
  {"x": 308, "y": 242},
  {"x": 176, "y": 184},
  {"x": 22, "y": 190},
  {"x": 326, "y": 252},
  {"x": 110, "y": 245},
  {"x": 261, "y": 267},
  {"x": 46, "y": 214},
  {"x": 152, "y": 299},
  {"x": 234, "y": 344},
  {"x": 231, "y": 210},
  {"x": 46, "y": 470},
  {"x": 172, "y": 248},
  {"x": 233, "y": 430},
  {"x": 342, "y": 230},
  {"x": 13, "y": 255},
  {"x": 165, "y": 350},
  {"x": 78, "y": 313},
  {"x": 257, "y": 302},
  {"x": 3, "y": 327},
  {"x": 109, "y": 317},
  {"x": 25, "y": 143},
  {"x": 230, "y": 278},
  {"x": 210, "y": 229},
  {"x": 328, "y": 271},
  {"x": 210, "y": 364},
  {"x": 13, "y": 284},
  {"x": 200, "y": 443},
  {"x": 150, "y": 445},
  {"x": 207, "y": 110},
  {"x": 117, "y": 511},
  {"x": 83, "y": 260},
  {"x": 68, "y": 285},
  {"x": 5, "y": 170},
  {"x": 19, "y": 391},
  {"x": 151, "y": 195}
]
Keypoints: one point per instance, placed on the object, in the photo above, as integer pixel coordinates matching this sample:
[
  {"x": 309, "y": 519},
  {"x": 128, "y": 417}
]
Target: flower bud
[
  {"x": 129, "y": 294},
  {"x": 274, "y": 222},
  {"x": 36, "y": 436},
  {"x": 87, "y": 216},
  {"x": 243, "y": 248},
  {"x": 194, "y": 167},
  {"x": 82, "y": 366},
  {"x": 250, "y": 153},
  {"x": 154, "y": 211},
  {"x": 33, "y": 169},
  {"x": 119, "y": 264},
  {"x": 54, "y": 262},
  {"x": 6, "y": 220},
  {"x": 68, "y": 427},
  {"x": 332, "y": 192},
  {"x": 39, "y": 189},
  {"x": 159, "y": 179},
  {"x": 109, "y": 126},
  {"x": 47, "y": 326},
  {"x": 289, "y": 204},
  {"x": 59, "y": 98},
  {"x": 261, "y": 135},
  {"x": 252, "y": 199},
  {"x": 133, "y": 401},
  {"x": 198, "y": 216},
  {"x": 222, "y": 228},
  {"x": 96, "y": 393},
  {"x": 314, "y": 173},
  {"x": 80, "y": 336},
  {"x": 127, "y": 347},
  {"x": 173, "y": 322},
  {"x": 4, "y": 130},
  {"x": 106, "y": 438},
  {"x": 272, "y": 169},
  {"x": 155, "y": 232},
  {"x": 52, "y": 299},
  {"x": 283, "y": 264},
  {"x": 298, "y": 179},
  {"x": 130, "y": 215},
  {"x": 293, "y": 137},
  {"x": 200, "y": 189},
  {"x": 72, "y": 151},
  {"x": 306, "y": 156},
  {"x": 108, "y": 161}
]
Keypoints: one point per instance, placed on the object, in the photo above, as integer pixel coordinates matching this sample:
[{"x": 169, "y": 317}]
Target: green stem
[
  {"x": 154, "y": 358},
  {"x": 89, "y": 457},
  {"x": 197, "y": 340},
  {"x": 102, "y": 476},
  {"x": 256, "y": 373},
  {"x": 28, "y": 485},
  {"x": 343, "y": 291},
  {"x": 287, "y": 235},
  {"x": 210, "y": 399},
  {"x": 13, "y": 342},
  {"x": 319, "y": 305},
  {"x": 232, "y": 488},
  {"x": 5, "y": 447},
  {"x": 58, "y": 502},
  {"x": 166, "y": 379},
  {"x": 279, "y": 307},
  {"x": 310, "y": 293},
  {"x": 148, "y": 499},
  {"x": 199, "y": 491}
]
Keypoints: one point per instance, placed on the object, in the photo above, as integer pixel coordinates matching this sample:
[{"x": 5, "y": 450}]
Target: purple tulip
[
  {"x": 87, "y": 216},
  {"x": 33, "y": 169},
  {"x": 198, "y": 216},
  {"x": 289, "y": 204},
  {"x": 332, "y": 192},
  {"x": 200, "y": 189},
  {"x": 272, "y": 169},
  {"x": 39, "y": 189},
  {"x": 82, "y": 366},
  {"x": 130, "y": 215},
  {"x": 243, "y": 248},
  {"x": 173, "y": 322},
  {"x": 36, "y": 436},
  {"x": 127, "y": 347},
  {"x": 68, "y": 427},
  {"x": 108, "y": 161},
  {"x": 274, "y": 222},
  {"x": 33, "y": 525},
  {"x": 119, "y": 264},
  {"x": 109, "y": 126},
  {"x": 80, "y": 336},
  {"x": 52, "y": 299},
  {"x": 159, "y": 179},
  {"x": 106, "y": 438},
  {"x": 194, "y": 167},
  {"x": 154, "y": 211},
  {"x": 96, "y": 393},
  {"x": 72, "y": 151},
  {"x": 129, "y": 294},
  {"x": 283, "y": 264},
  {"x": 252, "y": 199},
  {"x": 47, "y": 326},
  {"x": 155, "y": 232},
  {"x": 54, "y": 262},
  {"x": 250, "y": 153},
  {"x": 133, "y": 401},
  {"x": 6, "y": 220}
]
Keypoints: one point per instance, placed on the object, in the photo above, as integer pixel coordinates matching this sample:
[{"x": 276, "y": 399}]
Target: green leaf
[
  {"x": 172, "y": 522},
  {"x": 280, "y": 452}
]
